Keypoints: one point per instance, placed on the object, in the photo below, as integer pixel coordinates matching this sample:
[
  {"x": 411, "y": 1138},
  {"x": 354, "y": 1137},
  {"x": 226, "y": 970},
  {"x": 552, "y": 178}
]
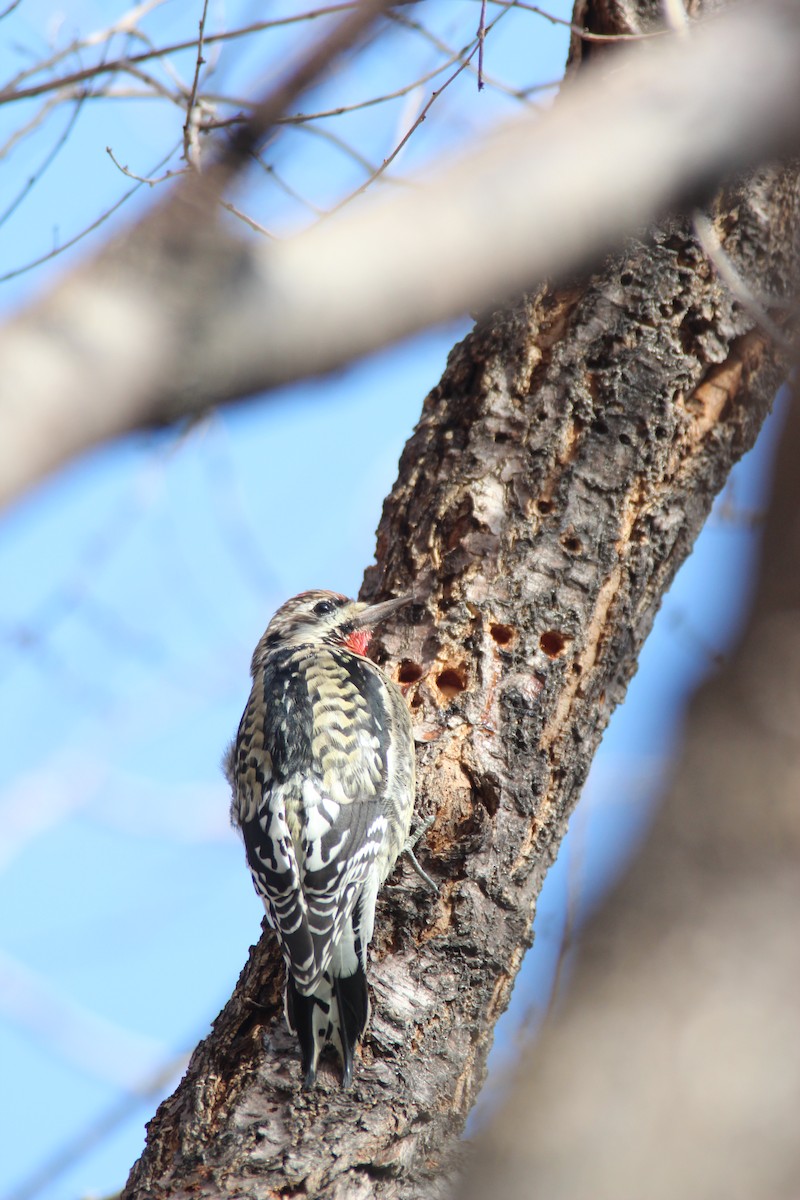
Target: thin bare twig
[
  {"x": 302, "y": 118},
  {"x": 304, "y": 127},
  {"x": 306, "y": 71},
  {"x": 151, "y": 182},
  {"x": 37, "y": 262},
  {"x": 49, "y": 158},
  {"x": 708, "y": 238},
  {"x": 22, "y": 131},
  {"x": 237, "y": 212},
  {"x": 159, "y": 90},
  {"x": 476, "y": 45},
  {"x": 12, "y": 92},
  {"x": 341, "y": 144},
  {"x": 372, "y": 101},
  {"x": 126, "y": 24},
  {"x": 191, "y": 141},
  {"x": 286, "y": 188},
  {"x": 429, "y": 36}
]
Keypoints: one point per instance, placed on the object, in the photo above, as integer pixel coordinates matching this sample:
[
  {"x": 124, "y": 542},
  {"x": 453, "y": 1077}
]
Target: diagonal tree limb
[
  {"x": 557, "y": 478},
  {"x": 179, "y": 314},
  {"x": 673, "y": 1066}
]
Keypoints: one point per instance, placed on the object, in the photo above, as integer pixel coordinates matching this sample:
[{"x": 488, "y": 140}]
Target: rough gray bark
[
  {"x": 558, "y": 477},
  {"x": 673, "y": 1066}
]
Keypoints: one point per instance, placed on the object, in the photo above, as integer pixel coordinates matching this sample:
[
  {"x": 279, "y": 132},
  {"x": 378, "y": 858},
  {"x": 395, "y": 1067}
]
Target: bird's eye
[{"x": 324, "y": 607}]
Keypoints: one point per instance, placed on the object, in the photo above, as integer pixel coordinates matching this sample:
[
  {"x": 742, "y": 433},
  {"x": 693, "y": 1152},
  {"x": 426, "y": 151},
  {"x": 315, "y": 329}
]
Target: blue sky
[{"x": 136, "y": 582}]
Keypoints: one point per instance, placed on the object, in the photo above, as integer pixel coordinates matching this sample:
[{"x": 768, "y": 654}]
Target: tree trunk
[{"x": 557, "y": 479}]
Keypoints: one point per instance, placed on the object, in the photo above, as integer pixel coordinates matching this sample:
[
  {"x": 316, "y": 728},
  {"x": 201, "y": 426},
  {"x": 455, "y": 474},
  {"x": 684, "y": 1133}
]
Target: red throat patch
[{"x": 358, "y": 641}]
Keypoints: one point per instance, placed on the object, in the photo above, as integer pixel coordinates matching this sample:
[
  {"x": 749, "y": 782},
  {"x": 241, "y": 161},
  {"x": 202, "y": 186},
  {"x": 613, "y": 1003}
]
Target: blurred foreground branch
[{"x": 179, "y": 314}]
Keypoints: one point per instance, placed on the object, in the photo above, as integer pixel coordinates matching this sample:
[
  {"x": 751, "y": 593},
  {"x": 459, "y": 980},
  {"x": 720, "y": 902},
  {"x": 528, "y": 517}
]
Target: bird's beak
[{"x": 373, "y": 614}]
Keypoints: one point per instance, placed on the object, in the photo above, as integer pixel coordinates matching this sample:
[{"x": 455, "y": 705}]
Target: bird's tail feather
[
  {"x": 352, "y": 1002},
  {"x": 336, "y": 1014}
]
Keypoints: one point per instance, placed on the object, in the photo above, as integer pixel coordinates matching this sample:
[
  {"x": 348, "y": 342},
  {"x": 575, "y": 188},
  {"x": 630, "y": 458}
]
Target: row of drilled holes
[
  {"x": 453, "y": 680},
  {"x": 450, "y": 681}
]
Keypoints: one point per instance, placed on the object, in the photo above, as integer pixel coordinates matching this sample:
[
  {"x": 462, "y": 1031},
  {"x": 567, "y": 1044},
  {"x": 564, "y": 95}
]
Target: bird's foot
[{"x": 413, "y": 841}]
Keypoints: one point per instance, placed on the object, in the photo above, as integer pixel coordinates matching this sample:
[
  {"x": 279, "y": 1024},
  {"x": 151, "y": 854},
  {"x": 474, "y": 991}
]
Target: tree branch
[
  {"x": 557, "y": 478},
  {"x": 674, "y": 1062},
  {"x": 179, "y": 313}
]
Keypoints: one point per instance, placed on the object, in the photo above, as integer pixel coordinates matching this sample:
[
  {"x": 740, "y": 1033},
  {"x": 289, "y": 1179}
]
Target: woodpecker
[{"x": 322, "y": 775}]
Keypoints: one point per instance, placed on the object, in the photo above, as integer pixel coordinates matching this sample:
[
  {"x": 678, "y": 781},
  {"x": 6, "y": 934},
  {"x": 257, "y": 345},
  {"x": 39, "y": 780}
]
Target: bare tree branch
[
  {"x": 179, "y": 314},
  {"x": 557, "y": 478},
  {"x": 13, "y": 92},
  {"x": 307, "y": 70}
]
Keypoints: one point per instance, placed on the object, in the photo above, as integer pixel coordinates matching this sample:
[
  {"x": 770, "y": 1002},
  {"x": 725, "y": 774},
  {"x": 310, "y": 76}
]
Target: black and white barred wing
[
  {"x": 311, "y": 776},
  {"x": 312, "y": 883}
]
